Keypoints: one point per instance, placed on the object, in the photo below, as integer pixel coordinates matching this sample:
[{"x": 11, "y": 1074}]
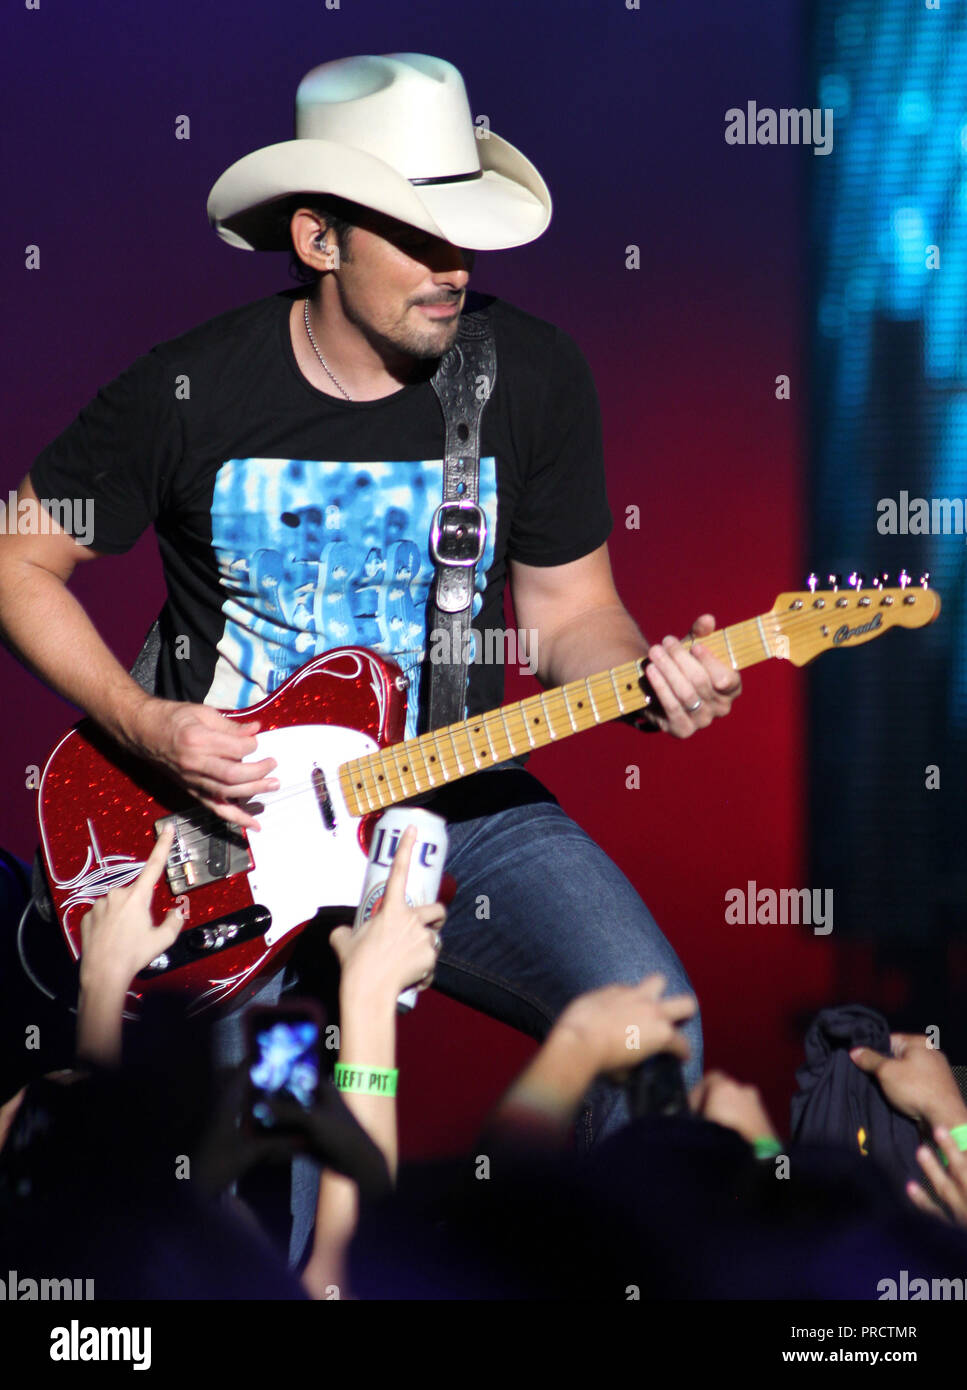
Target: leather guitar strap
[{"x": 463, "y": 382}]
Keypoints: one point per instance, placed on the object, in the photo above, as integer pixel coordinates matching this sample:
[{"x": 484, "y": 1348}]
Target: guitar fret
[
  {"x": 584, "y": 719},
  {"x": 516, "y": 711},
  {"x": 728, "y": 648},
  {"x": 433, "y": 762},
  {"x": 617, "y": 692},
  {"x": 432, "y": 753},
  {"x": 567, "y": 706},
  {"x": 587, "y": 686},
  {"x": 383, "y": 782},
  {"x": 607, "y": 699},
  {"x": 494, "y": 756},
  {"x": 470, "y": 744},
  {"x": 363, "y": 788},
  {"x": 456, "y": 751},
  {"x": 393, "y": 773},
  {"x": 508, "y": 735},
  {"x": 608, "y": 696},
  {"x": 631, "y": 674},
  {"x": 359, "y": 785},
  {"x": 401, "y": 776},
  {"x": 562, "y": 710},
  {"x": 534, "y": 723},
  {"x": 418, "y": 745},
  {"x": 765, "y": 644},
  {"x": 547, "y": 717},
  {"x": 475, "y": 731}
]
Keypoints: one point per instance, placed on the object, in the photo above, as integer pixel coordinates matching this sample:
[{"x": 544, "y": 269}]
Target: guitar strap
[
  {"x": 463, "y": 382},
  {"x": 145, "y": 668}
]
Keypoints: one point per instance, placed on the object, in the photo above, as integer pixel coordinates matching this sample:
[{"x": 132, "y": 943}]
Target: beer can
[{"x": 425, "y": 872}]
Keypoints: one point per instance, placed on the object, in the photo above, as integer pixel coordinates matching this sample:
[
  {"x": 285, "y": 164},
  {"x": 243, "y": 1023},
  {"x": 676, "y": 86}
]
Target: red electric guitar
[{"x": 334, "y": 728}]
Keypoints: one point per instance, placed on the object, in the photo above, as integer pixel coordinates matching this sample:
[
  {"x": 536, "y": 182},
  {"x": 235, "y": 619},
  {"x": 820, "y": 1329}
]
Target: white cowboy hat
[{"x": 395, "y": 134}]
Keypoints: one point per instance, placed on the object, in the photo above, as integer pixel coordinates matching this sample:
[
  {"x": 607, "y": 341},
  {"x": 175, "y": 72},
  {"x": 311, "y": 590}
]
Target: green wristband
[
  {"x": 959, "y": 1135},
  {"x": 366, "y": 1081},
  {"x": 766, "y": 1147}
]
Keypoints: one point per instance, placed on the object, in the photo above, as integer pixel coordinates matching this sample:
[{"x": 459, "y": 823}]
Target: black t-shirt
[{"x": 291, "y": 522}]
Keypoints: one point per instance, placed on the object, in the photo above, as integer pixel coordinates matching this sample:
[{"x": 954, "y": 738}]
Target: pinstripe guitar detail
[{"x": 335, "y": 729}]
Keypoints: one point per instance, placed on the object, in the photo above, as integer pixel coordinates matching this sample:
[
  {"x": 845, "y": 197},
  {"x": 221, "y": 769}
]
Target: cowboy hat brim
[{"x": 507, "y": 205}]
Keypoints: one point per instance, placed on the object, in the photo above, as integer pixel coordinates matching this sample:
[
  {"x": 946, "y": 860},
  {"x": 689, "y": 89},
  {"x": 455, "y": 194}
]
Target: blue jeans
[{"x": 541, "y": 915}]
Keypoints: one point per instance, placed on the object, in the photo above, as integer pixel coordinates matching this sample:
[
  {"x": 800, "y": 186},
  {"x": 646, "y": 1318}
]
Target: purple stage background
[{"x": 623, "y": 112}]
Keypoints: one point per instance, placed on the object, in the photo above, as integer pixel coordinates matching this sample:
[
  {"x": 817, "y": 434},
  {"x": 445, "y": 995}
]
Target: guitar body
[{"x": 98, "y": 810}]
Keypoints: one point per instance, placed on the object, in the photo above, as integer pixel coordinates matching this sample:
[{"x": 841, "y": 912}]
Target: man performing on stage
[{"x": 290, "y": 455}]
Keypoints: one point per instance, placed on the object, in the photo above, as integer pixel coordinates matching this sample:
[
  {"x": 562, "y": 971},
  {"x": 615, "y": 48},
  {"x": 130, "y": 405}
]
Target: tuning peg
[
  {"x": 881, "y": 581},
  {"x": 925, "y": 580},
  {"x": 811, "y": 583},
  {"x": 834, "y": 581},
  {"x": 903, "y": 579},
  {"x": 857, "y": 580}
]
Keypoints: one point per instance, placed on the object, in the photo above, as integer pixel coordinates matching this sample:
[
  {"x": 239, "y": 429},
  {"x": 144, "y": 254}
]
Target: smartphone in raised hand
[{"x": 283, "y": 1062}]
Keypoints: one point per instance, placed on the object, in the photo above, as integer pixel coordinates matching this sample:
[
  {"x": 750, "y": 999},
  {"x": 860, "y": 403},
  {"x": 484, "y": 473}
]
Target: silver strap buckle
[{"x": 461, "y": 526}]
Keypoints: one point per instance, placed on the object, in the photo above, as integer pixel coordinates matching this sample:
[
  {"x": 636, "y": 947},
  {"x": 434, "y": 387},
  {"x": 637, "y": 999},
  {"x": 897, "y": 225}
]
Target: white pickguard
[{"x": 301, "y": 866}]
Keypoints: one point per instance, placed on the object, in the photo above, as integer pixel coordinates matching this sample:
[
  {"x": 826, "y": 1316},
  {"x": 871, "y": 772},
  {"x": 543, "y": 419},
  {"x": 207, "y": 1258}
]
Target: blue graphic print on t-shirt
[{"x": 314, "y": 555}]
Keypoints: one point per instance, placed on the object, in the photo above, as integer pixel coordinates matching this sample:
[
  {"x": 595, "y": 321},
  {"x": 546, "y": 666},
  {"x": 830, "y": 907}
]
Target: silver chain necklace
[{"x": 338, "y": 385}]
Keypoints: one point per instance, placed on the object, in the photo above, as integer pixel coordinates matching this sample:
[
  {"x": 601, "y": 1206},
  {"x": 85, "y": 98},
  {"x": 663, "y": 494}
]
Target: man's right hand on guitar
[{"x": 204, "y": 750}]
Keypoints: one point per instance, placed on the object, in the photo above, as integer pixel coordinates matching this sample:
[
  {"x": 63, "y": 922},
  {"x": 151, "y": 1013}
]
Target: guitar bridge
[{"x": 206, "y": 849}]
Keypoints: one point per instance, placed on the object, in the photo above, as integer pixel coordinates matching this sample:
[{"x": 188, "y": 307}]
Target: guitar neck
[{"x": 417, "y": 765}]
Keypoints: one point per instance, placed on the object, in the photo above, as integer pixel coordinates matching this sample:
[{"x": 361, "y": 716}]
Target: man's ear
[{"x": 305, "y": 227}]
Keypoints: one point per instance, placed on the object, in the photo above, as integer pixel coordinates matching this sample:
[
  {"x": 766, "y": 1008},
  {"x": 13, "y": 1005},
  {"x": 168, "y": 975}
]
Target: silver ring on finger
[
  {"x": 437, "y": 939},
  {"x": 690, "y": 709}
]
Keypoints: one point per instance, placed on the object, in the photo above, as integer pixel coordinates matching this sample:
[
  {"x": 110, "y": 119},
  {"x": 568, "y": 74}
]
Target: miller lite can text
[{"x": 425, "y": 872}]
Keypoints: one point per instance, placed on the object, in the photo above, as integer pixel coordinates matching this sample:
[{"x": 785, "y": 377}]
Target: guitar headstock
[{"x": 817, "y": 620}]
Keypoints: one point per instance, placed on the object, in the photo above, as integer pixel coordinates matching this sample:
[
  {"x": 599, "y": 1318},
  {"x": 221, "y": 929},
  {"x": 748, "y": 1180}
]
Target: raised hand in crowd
[
  {"x": 916, "y": 1078},
  {"x": 603, "y": 1033},
  {"x": 119, "y": 938},
  {"x": 728, "y": 1102},
  {"x": 328, "y": 1132},
  {"x": 395, "y": 948}
]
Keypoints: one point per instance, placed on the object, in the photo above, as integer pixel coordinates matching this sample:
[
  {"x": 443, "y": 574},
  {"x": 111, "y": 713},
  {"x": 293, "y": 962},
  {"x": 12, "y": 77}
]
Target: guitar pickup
[
  {"x": 206, "y": 850},
  {"x": 207, "y": 940}
]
